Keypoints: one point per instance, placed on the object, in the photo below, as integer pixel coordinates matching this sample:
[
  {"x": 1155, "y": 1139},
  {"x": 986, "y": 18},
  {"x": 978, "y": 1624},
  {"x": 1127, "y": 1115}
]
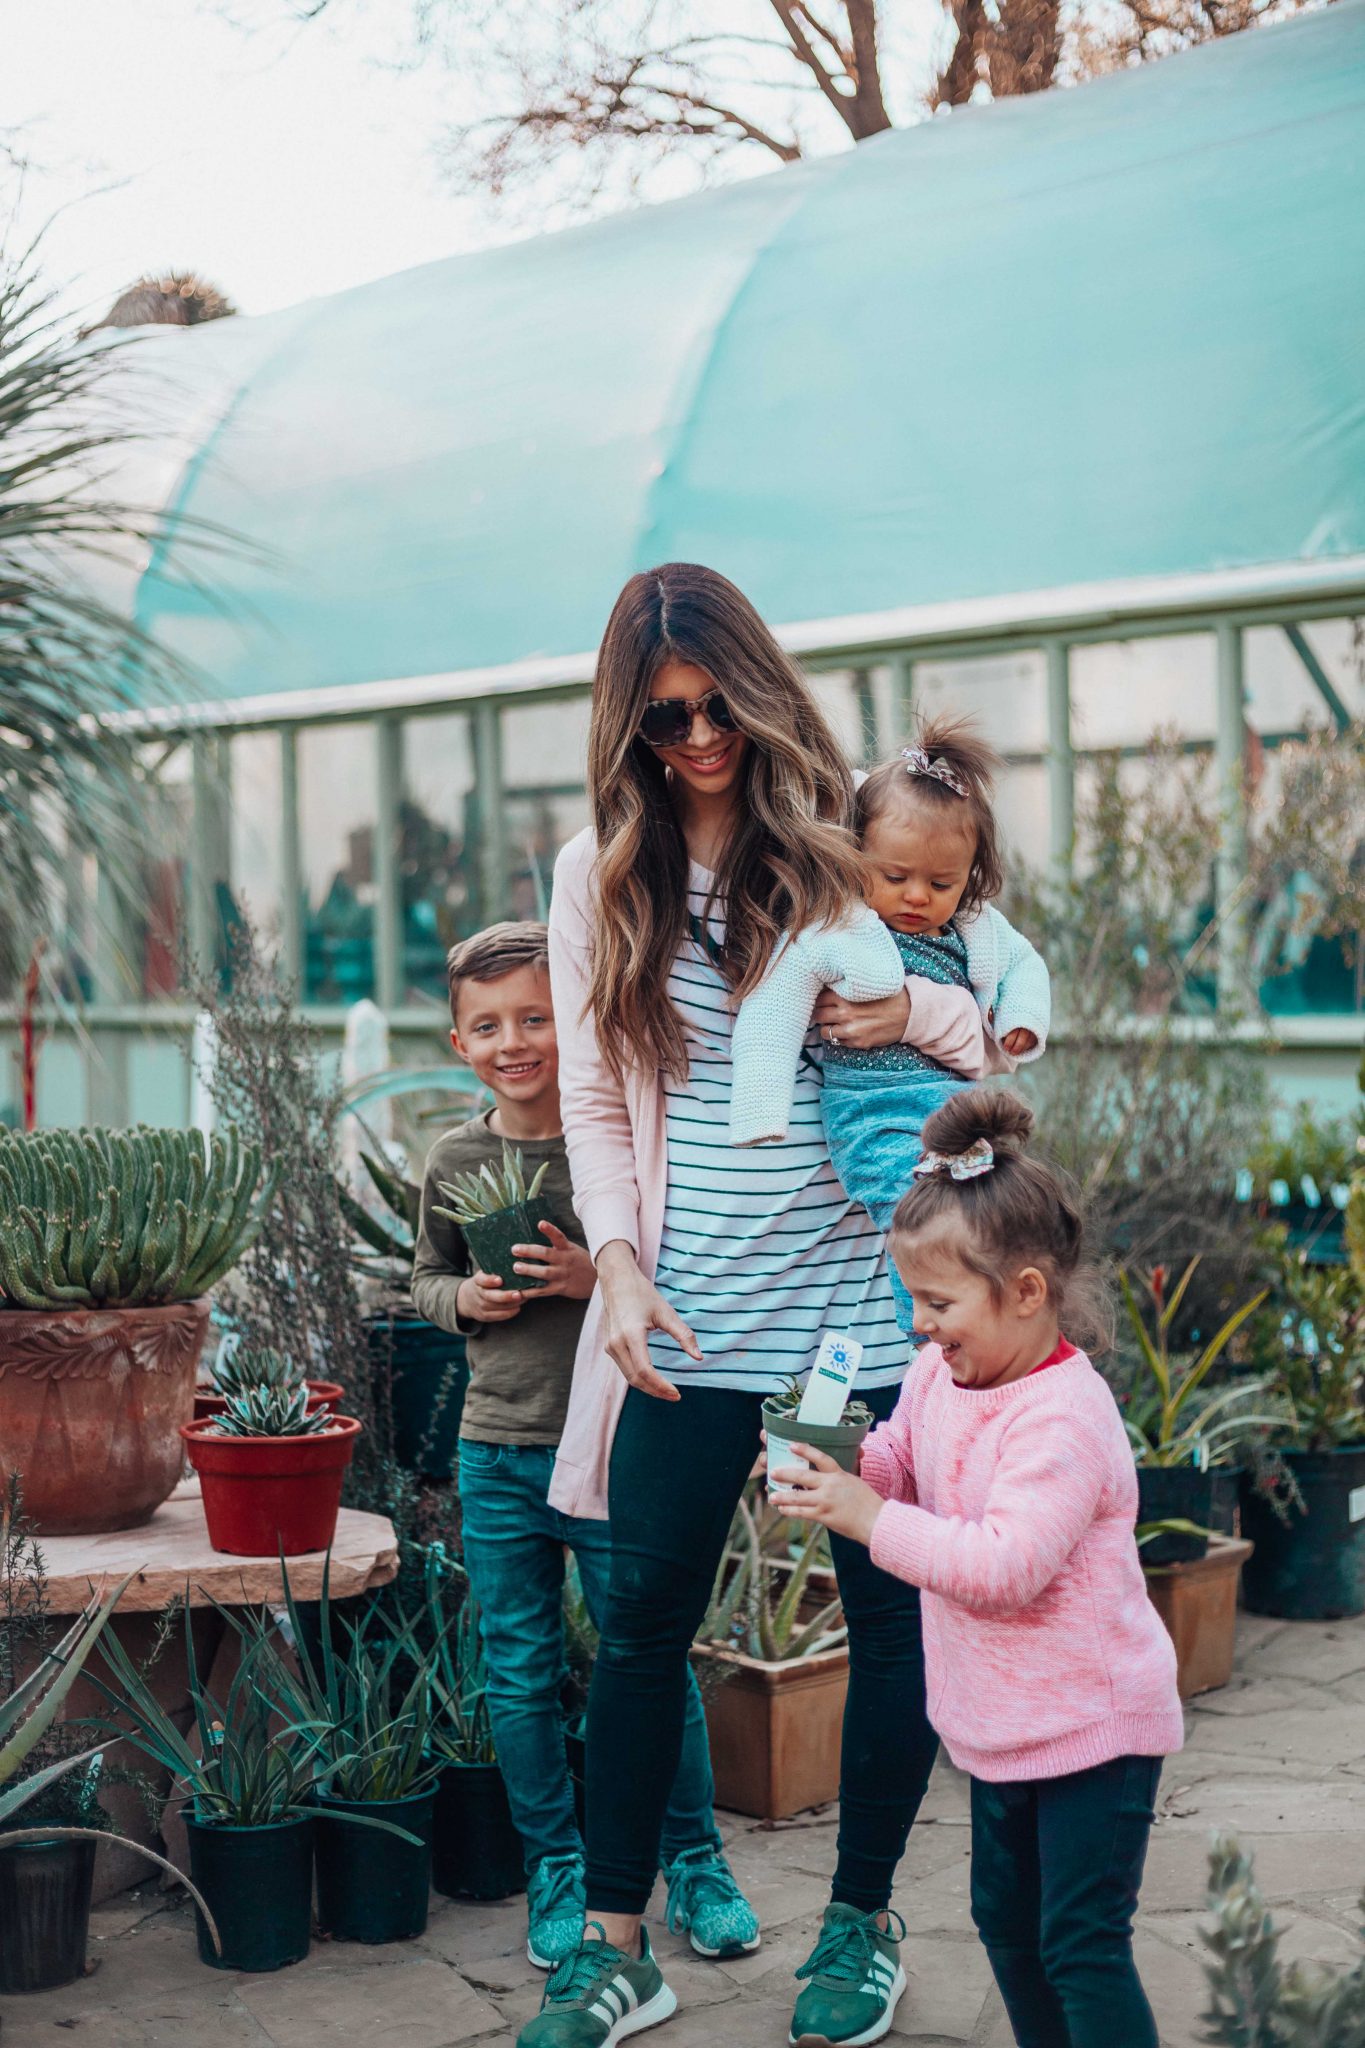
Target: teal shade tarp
[{"x": 1103, "y": 334}]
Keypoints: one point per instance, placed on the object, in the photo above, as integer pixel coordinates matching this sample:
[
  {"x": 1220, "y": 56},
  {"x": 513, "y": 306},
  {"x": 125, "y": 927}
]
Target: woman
[{"x": 720, "y": 802}]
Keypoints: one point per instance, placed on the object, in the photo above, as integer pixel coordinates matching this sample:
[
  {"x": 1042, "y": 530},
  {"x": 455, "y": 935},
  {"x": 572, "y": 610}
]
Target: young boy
[{"x": 521, "y": 1351}]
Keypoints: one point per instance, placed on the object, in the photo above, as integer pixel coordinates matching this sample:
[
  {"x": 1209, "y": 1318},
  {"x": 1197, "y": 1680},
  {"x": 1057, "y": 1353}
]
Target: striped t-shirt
[{"x": 762, "y": 1251}]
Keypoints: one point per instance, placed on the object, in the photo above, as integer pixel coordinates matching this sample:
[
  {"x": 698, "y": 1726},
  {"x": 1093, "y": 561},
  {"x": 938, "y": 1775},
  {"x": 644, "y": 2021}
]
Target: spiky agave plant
[
  {"x": 247, "y": 1367},
  {"x": 271, "y": 1411},
  {"x": 492, "y": 1189},
  {"x": 123, "y": 1219}
]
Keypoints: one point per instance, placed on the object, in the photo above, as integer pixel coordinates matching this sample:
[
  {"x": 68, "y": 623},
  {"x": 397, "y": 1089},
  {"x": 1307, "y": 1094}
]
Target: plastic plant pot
[
  {"x": 1181, "y": 1493},
  {"x": 321, "y": 1394},
  {"x": 428, "y": 1376},
  {"x": 840, "y": 1440},
  {"x": 264, "y": 1495},
  {"x": 491, "y": 1238},
  {"x": 1311, "y": 1568},
  {"x": 476, "y": 1850},
  {"x": 372, "y": 1886},
  {"x": 44, "y": 1913},
  {"x": 259, "y": 1886}
]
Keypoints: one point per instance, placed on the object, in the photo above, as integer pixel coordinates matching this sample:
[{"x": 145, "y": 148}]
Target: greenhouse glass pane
[
  {"x": 545, "y": 745},
  {"x": 1006, "y": 695},
  {"x": 438, "y": 850},
  {"x": 537, "y": 824},
  {"x": 254, "y": 887},
  {"x": 336, "y": 847},
  {"x": 157, "y": 926},
  {"x": 1123, "y": 691},
  {"x": 544, "y": 769}
]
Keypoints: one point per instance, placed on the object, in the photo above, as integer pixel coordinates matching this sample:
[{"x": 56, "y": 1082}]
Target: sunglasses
[{"x": 667, "y": 721}]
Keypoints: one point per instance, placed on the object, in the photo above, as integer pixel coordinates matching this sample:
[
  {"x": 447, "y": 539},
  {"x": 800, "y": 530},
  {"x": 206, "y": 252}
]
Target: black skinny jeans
[
  {"x": 1056, "y": 1867},
  {"x": 677, "y": 1470}
]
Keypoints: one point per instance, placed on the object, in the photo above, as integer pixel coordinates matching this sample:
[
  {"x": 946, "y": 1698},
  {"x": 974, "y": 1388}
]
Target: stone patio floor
[{"x": 1279, "y": 1757}]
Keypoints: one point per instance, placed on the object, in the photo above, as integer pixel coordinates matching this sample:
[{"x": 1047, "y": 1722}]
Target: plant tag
[
  {"x": 831, "y": 1376},
  {"x": 1355, "y": 1504}
]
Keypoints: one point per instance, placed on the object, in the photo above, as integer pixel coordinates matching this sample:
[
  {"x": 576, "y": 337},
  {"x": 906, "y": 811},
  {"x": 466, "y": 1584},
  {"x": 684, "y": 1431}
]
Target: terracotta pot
[
  {"x": 264, "y": 1495},
  {"x": 775, "y": 1731},
  {"x": 1197, "y": 1600},
  {"x": 91, "y": 1405},
  {"x": 321, "y": 1394}
]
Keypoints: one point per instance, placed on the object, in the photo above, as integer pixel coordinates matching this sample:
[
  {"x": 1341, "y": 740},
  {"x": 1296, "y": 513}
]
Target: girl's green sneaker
[
  {"x": 556, "y": 1896},
  {"x": 856, "y": 1981},
  {"x": 599, "y": 1995}
]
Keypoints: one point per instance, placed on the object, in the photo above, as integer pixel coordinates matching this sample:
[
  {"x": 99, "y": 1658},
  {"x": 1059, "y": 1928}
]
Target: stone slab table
[{"x": 171, "y": 1560}]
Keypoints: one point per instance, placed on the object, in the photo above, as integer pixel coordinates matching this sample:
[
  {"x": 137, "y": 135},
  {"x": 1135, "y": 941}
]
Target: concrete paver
[{"x": 1279, "y": 1757}]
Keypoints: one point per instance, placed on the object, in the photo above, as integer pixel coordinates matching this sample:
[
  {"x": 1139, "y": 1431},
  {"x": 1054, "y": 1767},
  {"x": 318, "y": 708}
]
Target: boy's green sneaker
[
  {"x": 855, "y": 1984},
  {"x": 599, "y": 1995},
  {"x": 556, "y": 1895},
  {"x": 706, "y": 1904}
]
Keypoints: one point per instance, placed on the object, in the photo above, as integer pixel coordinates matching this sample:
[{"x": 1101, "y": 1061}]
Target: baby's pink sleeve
[{"x": 946, "y": 1024}]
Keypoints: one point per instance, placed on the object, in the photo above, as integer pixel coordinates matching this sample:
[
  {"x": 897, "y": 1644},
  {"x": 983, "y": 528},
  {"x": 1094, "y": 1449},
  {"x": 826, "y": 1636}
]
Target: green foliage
[
  {"x": 1311, "y": 1350},
  {"x": 790, "y": 1398},
  {"x": 395, "y": 1246},
  {"x": 1322, "y": 1149},
  {"x": 270, "y": 1411},
  {"x": 755, "y": 1606},
  {"x": 1165, "y": 1429},
  {"x": 461, "y": 1730},
  {"x": 121, "y": 1219},
  {"x": 241, "y": 1368},
  {"x": 1255, "y": 2000},
  {"x": 492, "y": 1189}
]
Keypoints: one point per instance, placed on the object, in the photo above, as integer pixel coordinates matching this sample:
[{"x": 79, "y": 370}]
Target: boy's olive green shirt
[{"x": 519, "y": 1370}]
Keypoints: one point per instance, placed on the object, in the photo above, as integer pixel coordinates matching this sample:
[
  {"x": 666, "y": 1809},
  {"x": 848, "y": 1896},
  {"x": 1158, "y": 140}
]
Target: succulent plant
[
  {"x": 789, "y": 1400},
  {"x": 123, "y": 1219},
  {"x": 490, "y": 1190},
  {"x": 271, "y": 1411},
  {"x": 244, "y": 1368}
]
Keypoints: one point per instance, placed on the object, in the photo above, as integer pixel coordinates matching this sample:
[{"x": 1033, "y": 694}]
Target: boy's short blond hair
[{"x": 490, "y": 954}]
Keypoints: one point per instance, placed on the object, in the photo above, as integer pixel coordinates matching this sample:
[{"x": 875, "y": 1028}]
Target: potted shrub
[
  {"x": 109, "y": 1242},
  {"x": 495, "y": 1210},
  {"x": 271, "y": 1467},
  {"x": 236, "y": 1372},
  {"x": 476, "y": 1850},
  {"x": 1304, "y": 1508},
  {"x": 372, "y": 1762},
  {"x": 775, "y": 1724},
  {"x": 1184, "y": 1436},
  {"x": 422, "y": 1366},
  {"x": 50, "y": 1819},
  {"x": 841, "y": 1439}
]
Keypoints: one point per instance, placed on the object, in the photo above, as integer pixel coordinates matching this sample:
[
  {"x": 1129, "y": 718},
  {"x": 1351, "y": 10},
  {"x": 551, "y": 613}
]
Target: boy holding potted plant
[{"x": 521, "y": 1326}]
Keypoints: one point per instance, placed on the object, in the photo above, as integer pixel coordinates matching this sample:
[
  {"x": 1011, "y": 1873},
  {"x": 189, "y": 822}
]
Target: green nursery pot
[
  {"x": 372, "y": 1886},
  {"x": 259, "y": 1886},
  {"x": 1312, "y": 1567},
  {"x": 491, "y": 1238},
  {"x": 840, "y": 1440}
]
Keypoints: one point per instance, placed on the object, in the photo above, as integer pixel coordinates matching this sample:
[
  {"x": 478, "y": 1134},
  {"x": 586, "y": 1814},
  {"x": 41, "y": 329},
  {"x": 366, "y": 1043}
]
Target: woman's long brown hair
[{"x": 789, "y": 861}]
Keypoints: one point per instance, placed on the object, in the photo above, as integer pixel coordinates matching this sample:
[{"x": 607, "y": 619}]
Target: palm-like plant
[
  {"x": 1166, "y": 1425},
  {"x": 69, "y": 662}
]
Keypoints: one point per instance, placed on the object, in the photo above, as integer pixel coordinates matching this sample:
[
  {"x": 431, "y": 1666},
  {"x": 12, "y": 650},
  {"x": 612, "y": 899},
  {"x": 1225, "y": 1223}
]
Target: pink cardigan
[
  {"x": 1043, "y": 1653},
  {"x": 618, "y": 1156}
]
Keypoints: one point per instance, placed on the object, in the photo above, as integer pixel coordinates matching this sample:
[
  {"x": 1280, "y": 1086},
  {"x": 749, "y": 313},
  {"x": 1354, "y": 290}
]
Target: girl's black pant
[{"x": 677, "y": 1471}]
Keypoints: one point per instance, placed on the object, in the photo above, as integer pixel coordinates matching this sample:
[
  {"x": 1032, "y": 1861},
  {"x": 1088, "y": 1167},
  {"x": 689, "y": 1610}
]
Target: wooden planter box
[
  {"x": 1198, "y": 1603},
  {"x": 775, "y": 1732}
]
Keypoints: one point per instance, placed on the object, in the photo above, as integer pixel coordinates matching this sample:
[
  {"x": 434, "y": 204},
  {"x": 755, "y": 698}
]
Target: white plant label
[
  {"x": 1355, "y": 1504},
  {"x": 831, "y": 1376}
]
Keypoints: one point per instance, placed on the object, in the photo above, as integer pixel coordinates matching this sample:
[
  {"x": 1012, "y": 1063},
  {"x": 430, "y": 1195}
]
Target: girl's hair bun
[{"x": 992, "y": 1113}]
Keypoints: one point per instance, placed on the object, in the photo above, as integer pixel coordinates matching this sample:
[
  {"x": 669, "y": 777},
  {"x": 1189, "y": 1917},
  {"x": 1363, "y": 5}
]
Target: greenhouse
[{"x": 1051, "y": 412}]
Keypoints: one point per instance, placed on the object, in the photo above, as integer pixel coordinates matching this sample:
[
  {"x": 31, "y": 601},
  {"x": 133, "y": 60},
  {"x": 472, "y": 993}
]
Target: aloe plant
[
  {"x": 747, "y": 1612},
  {"x": 123, "y": 1219},
  {"x": 243, "y": 1368},
  {"x": 492, "y": 1189},
  {"x": 461, "y": 1728},
  {"x": 1167, "y": 1426},
  {"x": 271, "y": 1411}
]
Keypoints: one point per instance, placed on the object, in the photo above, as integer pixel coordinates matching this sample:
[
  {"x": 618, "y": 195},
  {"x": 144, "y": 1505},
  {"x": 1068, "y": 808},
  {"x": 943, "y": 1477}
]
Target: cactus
[
  {"x": 124, "y": 1219},
  {"x": 490, "y": 1190}
]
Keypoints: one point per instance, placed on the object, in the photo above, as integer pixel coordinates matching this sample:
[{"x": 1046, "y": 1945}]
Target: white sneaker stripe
[{"x": 600, "y": 2010}]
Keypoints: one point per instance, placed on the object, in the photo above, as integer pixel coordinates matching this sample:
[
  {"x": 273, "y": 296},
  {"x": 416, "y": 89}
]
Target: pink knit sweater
[{"x": 1043, "y": 1653}]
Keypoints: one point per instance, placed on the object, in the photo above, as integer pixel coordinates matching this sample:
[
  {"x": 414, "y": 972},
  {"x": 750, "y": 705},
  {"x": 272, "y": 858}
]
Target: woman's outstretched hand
[
  {"x": 862, "y": 1025},
  {"x": 826, "y": 1493},
  {"x": 631, "y": 1307}
]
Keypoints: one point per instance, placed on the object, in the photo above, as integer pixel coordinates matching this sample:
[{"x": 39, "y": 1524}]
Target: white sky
[{"x": 282, "y": 160}]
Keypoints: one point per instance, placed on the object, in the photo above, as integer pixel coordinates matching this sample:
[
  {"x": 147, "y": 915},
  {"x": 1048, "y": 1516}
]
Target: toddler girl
[
  {"x": 1004, "y": 1485},
  {"x": 927, "y": 827}
]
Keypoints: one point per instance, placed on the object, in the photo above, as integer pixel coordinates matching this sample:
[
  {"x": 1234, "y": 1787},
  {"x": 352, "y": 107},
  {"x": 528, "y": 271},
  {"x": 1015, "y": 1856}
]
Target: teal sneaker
[
  {"x": 598, "y": 1995},
  {"x": 556, "y": 1897},
  {"x": 856, "y": 1981},
  {"x": 706, "y": 1904}
]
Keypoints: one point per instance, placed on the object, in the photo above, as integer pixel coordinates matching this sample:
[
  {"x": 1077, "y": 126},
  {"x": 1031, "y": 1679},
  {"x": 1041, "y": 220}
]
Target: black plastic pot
[
  {"x": 259, "y": 1886},
  {"x": 476, "y": 1850},
  {"x": 428, "y": 1378},
  {"x": 576, "y": 1751},
  {"x": 491, "y": 1238},
  {"x": 1313, "y": 1567},
  {"x": 44, "y": 1913},
  {"x": 372, "y": 1886},
  {"x": 1171, "y": 1493}
]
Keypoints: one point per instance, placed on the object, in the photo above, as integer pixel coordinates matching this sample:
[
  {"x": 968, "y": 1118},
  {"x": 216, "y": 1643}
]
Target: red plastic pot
[
  {"x": 321, "y": 1394},
  {"x": 264, "y": 1495}
]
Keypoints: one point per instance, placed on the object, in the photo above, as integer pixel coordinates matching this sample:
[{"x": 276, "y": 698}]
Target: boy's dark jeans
[
  {"x": 677, "y": 1470},
  {"x": 1056, "y": 1867}
]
